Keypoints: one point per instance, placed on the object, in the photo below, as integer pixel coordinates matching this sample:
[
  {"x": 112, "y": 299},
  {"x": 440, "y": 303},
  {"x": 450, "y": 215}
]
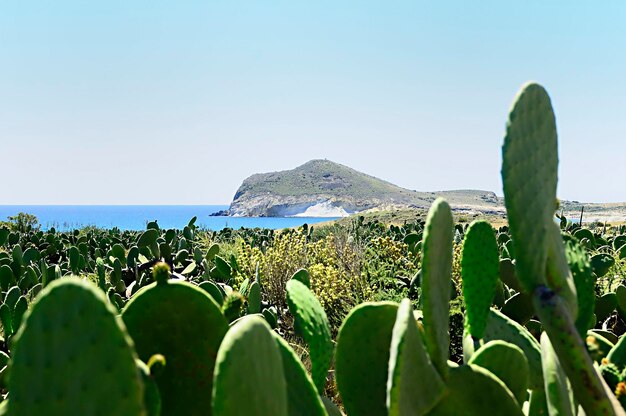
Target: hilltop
[{"x": 322, "y": 188}]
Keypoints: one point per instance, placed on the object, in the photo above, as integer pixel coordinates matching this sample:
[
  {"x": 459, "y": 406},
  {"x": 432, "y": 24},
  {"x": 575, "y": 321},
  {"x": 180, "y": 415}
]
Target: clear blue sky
[{"x": 162, "y": 102}]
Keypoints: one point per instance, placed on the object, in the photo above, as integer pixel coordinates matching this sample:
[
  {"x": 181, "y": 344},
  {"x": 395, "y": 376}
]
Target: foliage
[
  {"x": 424, "y": 317},
  {"x": 22, "y": 222}
]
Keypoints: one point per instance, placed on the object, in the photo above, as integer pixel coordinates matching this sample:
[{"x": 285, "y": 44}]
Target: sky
[{"x": 162, "y": 102}]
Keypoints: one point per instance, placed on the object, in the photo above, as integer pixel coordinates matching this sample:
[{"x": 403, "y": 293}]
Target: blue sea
[{"x": 135, "y": 217}]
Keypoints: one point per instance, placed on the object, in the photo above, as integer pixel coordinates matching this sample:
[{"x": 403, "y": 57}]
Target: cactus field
[{"x": 431, "y": 317}]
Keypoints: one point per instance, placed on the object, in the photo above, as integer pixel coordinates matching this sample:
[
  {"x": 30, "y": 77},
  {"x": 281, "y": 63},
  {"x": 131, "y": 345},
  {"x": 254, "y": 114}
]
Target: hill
[{"x": 321, "y": 188}]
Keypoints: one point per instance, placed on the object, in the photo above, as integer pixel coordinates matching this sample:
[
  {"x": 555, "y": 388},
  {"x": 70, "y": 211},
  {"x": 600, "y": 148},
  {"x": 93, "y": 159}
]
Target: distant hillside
[{"x": 323, "y": 188}]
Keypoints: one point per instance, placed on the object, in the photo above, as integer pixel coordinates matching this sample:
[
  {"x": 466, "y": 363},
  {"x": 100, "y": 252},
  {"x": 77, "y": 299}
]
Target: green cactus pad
[
  {"x": 74, "y": 357},
  {"x": 413, "y": 384},
  {"x": 475, "y": 391},
  {"x": 4, "y": 235},
  {"x": 500, "y": 327},
  {"x": 249, "y": 376},
  {"x": 6, "y": 277},
  {"x": 609, "y": 336},
  {"x": 507, "y": 275},
  {"x": 213, "y": 251},
  {"x": 313, "y": 324},
  {"x": 537, "y": 405},
  {"x": 184, "y": 324},
  {"x": 151, "y": 397},
  {"x": 12, "y": 297},
  {"x": 617, "y": 355},
  {"x": 148, "y": 238},
  {"x": 480, "y": 268},
  {"x": 507, "y": 362},
  {"x": 436, "y": 275},
  {"x": 558, "y": 394},
  {"x": 254, "y": 298},
  {"x": 602, "y": 263},
  {"x": 573, "y": 356},
  {"x": 611, "y": 375},
  {"x": 231, "y": 308},
  {"x": 362, "y": 358},
  {"x": 244, "y": 288},
  {"x": 580, "y": 265},
  {"x": 18, "y": 312},
  {"x": 558, "y": 273},
  {"x": 303, "y": 276},
  {"x": 605, "y": 305},
  {"x": 302, "y": 396},
  {"x": 271, "y": 316},
  {"x": 519, "y": 308},
  {"x": 6, "y": 317},
  {"x": 212, "y": 289},
  {"x": 529, "y": 176}
]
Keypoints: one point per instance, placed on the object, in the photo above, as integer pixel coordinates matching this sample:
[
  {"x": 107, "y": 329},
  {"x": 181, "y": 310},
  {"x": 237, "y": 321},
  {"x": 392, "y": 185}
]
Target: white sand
[{"x": 323, "y": 210}]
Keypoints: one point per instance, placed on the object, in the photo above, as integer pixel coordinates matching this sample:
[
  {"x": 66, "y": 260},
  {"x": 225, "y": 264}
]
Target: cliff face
[{"x": 324, "y": 188}]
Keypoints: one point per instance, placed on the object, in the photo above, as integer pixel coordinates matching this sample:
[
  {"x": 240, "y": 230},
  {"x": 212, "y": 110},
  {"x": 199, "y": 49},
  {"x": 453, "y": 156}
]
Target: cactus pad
[
  {"x": 500, "y": 327},
  {"x": 249, "y": 376},
  {"x": 529, "y": 176},
  {"x": 254, "y": 298},
  {"x": 558, "y": 394},
  {"x": 212, "y": 289},
  {"x": 519, "y": 308},
  {"x": 580, "y": 265},
  {"x": 313, "y": 325},
  {"x": 507, "y": 362},
  {"x": 473, "y": 390},
  {"x": 480, "y": 268},
  {"x": 362, "y": 358},
  {"x": 413, "y": 384},
  {"x": 74, "y": 357},
  {"x": 302, "y": 396},
  {"x": 436, "y": 276},
  {"x": 184, "y": 324}
]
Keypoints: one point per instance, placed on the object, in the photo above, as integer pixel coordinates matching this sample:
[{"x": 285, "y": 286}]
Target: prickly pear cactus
[
  {"x": 617, "y": 355},
  {"x": 74, "y": 357},
  {"x": 184, "y": 324},
  {"x": 507, "y": 362},
  {"x": 254, "y": 298},
  {"x": 151, "y": 396},
  {"x": 362, "y": 358},
  {"x": 312, "y": 323},
  {"x": 573, "y": 356},
  {"x": 473, "y": 390},
  {"x": 303, "y": 276},
  {"x": 500, "y": 327},
  {"x": 249, "y": 378},
  {"x": 232, "y": 306},
  {"x": 529, "y": 176},
  {"x": 302, "y": 396},
  {"x": 480, "y": 268},
  {"x": 558, "y": 273},
  {"x": 558, "y": 394},
  {"x": 436, "y": 276},
  {"x": 580, "y": 265},
  {"x": 413, "y": 384},
  {"x": 212, "y": 289}
]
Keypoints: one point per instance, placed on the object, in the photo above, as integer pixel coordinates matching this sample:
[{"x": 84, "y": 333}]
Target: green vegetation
[
  {"x": 322, "y": 181},
  {"x": 425, "y": 317},
  {"x": 322, "y": 177}
]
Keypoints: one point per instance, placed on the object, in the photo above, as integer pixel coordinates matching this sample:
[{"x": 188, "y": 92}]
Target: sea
[{"x": 135, "y": 217}]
